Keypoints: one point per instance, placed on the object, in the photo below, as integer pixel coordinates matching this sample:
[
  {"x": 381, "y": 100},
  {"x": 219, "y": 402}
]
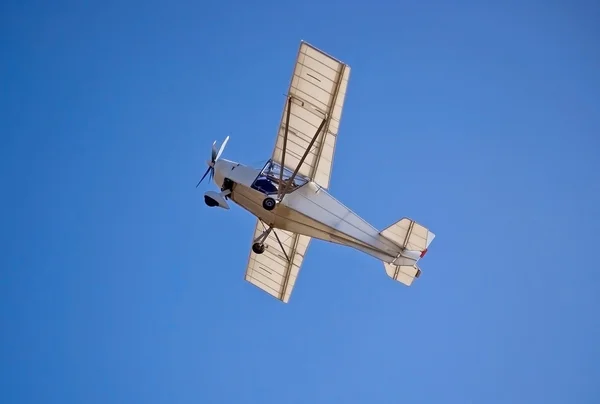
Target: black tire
[
  {"x": 258, "y": 248},
  {"x": 269, "y": 204},
  {"x": 210, "y": 201}
]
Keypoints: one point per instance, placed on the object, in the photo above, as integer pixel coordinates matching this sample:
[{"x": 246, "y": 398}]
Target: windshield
[{"x": 268, "y": 179}]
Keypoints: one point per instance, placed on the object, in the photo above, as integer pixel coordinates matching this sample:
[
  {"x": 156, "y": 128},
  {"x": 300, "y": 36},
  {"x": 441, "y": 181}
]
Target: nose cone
[{"x": 222, "y": 167}]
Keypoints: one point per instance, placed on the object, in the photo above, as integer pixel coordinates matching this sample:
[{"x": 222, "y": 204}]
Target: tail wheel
[
  {"x": 269, "y": 204},
  {"x": 258, "y": 248}
]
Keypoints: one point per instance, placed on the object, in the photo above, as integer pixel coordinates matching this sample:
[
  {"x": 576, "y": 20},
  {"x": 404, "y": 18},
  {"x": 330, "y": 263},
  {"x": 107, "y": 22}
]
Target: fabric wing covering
[
  {"x": 317, "y": 92},
  {"x": 271, "y": 271}
]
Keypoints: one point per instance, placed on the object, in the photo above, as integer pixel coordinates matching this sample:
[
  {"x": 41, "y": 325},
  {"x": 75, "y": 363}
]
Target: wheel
[
  {"x": 258, "y": 248},
  {"x": 210, "y": 201},
  {"x": 269, "y": 203}
]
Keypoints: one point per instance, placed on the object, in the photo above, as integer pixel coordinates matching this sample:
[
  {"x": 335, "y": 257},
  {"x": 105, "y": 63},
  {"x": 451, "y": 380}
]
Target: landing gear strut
[
  {"x": 259, "y": 243},
  {"x": 258, "y": 247},
  {"x": 227, "y": 185}
]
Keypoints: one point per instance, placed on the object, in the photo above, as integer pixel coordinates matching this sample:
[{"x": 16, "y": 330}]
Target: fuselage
[{"x": 308, "y": 209}]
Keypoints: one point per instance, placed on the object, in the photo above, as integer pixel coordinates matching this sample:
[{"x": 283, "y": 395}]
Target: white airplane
[{"x": 289, "y": 197}]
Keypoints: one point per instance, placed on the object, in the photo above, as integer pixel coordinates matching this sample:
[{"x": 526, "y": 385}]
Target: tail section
[{"x": 413, "y": 240}]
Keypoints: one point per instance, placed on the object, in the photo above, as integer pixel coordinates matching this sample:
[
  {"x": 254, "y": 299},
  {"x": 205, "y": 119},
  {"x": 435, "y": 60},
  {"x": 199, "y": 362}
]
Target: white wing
[
  {"x": 275, "y": 271},
  {"x": 318, "y": 90}
]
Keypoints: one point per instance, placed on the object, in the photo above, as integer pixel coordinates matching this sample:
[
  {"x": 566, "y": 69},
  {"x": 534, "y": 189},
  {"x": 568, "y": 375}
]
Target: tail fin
[{"x": 414, "y": 240}]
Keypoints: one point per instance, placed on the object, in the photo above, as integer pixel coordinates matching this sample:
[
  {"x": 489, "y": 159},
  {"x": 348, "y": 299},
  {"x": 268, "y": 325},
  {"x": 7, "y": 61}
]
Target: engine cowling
[{"x": 214, "y": 199}]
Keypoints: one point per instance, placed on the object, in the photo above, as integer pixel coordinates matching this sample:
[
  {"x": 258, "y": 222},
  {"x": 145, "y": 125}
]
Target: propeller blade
[
  {"x": 207, "y": 171},
  {"x": 213, "y": 154},
  {"x": 222, "y": 148}
]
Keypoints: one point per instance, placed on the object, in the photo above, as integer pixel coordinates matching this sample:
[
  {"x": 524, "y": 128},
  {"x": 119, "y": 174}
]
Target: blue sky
[{"x": 118, "y": 284}]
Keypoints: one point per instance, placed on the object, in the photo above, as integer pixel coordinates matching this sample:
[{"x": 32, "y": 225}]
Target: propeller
[{"x": 214, "y": 156}]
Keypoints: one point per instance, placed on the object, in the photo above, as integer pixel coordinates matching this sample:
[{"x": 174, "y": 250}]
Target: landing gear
[
  {"x": 259, "y": 243},
  {"x": 210, "y": 202},
  {"x": 269, "y": 203},
  {"x": 227, "y": 186},
  {"x": 258, "y": 248}
]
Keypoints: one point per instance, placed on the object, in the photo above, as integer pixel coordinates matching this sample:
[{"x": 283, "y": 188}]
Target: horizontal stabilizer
[
  {"x": 409, "y": 235},
  {"x": 402, "y": 273}
]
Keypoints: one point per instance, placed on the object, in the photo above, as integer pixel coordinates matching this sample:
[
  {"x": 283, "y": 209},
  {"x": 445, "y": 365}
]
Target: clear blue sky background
[{"x": 118, "y": 285}]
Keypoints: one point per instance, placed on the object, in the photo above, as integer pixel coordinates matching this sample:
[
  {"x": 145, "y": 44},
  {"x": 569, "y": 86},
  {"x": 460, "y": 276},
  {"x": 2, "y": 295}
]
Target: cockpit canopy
[{"x": 268, "y": 180}]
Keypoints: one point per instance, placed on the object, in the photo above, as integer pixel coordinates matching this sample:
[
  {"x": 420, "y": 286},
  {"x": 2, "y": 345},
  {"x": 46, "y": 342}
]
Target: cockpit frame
[{"x": 267, "y": 180}]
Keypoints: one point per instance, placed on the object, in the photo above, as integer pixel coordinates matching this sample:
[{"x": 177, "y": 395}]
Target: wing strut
[
  {"x": 282, "y": 248},
  {"x": 291, "y": 179},
  {"x": 285, "y": 136}
]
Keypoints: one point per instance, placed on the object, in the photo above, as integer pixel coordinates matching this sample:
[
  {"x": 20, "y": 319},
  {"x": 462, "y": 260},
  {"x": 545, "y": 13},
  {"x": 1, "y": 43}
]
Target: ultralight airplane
[{"x": 289, "y": 197}]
